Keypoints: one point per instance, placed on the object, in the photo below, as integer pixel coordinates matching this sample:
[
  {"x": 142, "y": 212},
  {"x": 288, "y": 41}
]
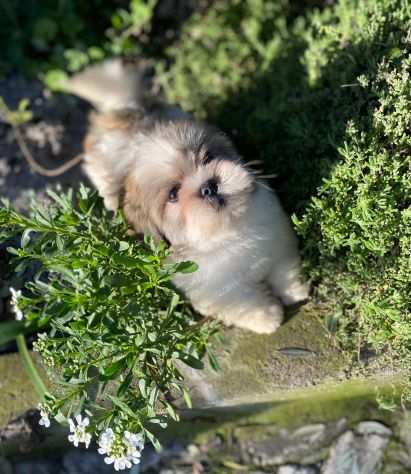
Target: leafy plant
[
  {"x": 15, "y": 117},
  {"x": 114, "y": 329}
]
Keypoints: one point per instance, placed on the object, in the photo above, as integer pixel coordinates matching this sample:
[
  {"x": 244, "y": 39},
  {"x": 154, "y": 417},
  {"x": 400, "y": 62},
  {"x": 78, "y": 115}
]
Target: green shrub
[
  {"x": 50, "y": 38},
  {"x": 324, "y": 99},
  {"x": 113, "y": 326}
]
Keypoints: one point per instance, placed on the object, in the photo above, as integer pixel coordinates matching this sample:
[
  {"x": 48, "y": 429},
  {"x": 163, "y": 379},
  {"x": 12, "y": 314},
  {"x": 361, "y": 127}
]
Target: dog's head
[{"x": 184, "y": 182}]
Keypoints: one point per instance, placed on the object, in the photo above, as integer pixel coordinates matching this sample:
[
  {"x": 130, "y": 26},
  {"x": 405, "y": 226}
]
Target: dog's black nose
[{"x": 209, "y": 189}]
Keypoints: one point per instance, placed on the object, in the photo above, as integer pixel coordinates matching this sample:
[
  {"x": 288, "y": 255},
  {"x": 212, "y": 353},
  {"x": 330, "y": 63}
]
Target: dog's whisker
[
  {"x": 254, "y": 162},
  {"x": 268, "y": 176}
]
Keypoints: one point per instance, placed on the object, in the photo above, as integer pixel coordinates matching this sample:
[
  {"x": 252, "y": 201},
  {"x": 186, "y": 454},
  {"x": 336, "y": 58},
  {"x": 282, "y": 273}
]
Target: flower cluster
[
  {"x": 79, "y": 433},
  {"x": 15, "y": 295},
  {"x": 120, "y": 449},
  {"x": 44, "y": 416}
]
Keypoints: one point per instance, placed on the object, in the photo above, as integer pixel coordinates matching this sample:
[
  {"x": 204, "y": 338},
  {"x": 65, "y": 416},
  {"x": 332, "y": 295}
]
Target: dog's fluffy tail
[{"x": 111, "y": 85}]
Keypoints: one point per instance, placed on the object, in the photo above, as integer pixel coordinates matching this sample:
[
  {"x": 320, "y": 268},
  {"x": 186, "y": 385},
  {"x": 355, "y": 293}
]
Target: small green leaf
[
  {"x": 191, "y": 361},
  {"x": 127, "y": 262},
  {"x": 123, "y": 246},
  {"x": 142, "y": 386},
  {"x": 155, "y": 442},
  {"x": 186, "y": 267},
  {"x": 25, "y": 238},
  {"x": 123, "y": 406},
  {"x": 124, "y": 386},
  {"x": 172, "y": 412},
  {"x": 114, "y": 369},
  {"x": 187, "y": 398},
  {"x": 213, "y": 361}
]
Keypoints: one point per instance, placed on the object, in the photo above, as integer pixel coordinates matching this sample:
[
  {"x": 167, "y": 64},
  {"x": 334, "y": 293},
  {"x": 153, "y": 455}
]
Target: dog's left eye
[
  {"x": 173, "y": 194},
  {"x": 208, "y": 157}
]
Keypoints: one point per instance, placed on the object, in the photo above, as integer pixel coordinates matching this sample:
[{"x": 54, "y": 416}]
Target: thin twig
[{"x": 52, "y": 173}]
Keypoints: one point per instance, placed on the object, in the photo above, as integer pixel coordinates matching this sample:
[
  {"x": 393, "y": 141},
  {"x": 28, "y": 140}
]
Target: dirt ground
[{"x": 54, "y": 135}]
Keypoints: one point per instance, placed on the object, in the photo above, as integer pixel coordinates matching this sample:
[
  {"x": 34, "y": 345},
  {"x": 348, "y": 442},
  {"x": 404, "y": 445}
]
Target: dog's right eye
[{"x": 173, "y": 194}]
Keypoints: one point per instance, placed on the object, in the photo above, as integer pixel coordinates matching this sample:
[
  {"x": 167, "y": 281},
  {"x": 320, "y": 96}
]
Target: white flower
[
  {"x": 105, "y": 441},
  {"x": 134, "y": 445},
  {"x": 44, "y": 420},
  {"x": 122, "y": 451},
  {"x": 15, "y": 295},
  {"x": 79, "y": 432},
  {"x": 120, "y": 462}
]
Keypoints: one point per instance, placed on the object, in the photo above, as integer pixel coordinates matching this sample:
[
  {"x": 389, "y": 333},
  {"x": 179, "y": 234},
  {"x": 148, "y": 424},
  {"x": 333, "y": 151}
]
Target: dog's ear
[
  {"x": 108, "y": 153},
  {"x": 138, "y": 210}
]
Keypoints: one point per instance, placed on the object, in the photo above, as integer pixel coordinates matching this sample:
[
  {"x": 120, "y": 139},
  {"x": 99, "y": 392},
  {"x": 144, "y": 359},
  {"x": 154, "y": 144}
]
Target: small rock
[
  {"x": 361, "y": 452},
  {"x": 82, "y": 462},
  {"x": 36, "y": 467},
  {"x": 373, "y": 427},
  {"x": 343, "y": 455},
  {"x": 405, "y": 434},
  {"x": 309, "y": 433},
  {"x": 304, "y": 446},
  {"x": 295, "y": 469}
]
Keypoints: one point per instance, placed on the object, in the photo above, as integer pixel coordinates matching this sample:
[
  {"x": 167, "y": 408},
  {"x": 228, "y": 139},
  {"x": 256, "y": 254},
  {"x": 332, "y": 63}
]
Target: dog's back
[{"x": 120, "y": 91}]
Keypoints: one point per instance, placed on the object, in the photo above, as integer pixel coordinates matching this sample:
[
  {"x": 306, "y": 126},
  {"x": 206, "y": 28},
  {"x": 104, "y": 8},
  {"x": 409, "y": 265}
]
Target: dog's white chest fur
[{"x": 241, "y": 278}]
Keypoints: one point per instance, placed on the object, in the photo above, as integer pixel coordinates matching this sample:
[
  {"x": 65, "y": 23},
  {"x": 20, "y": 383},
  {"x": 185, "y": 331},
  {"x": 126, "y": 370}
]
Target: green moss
[
  {"x": 16, "y": 390},
  {"x": 300, "y": 354},
  {"x": 323, "y": 98},
  {"x": 354, "y": 401}
]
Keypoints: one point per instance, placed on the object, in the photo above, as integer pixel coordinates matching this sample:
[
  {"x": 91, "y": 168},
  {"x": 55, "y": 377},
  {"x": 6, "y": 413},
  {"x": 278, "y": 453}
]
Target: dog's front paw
[
  {"x": 265, "y": 320},
  {"x": 296, "y": 293}
]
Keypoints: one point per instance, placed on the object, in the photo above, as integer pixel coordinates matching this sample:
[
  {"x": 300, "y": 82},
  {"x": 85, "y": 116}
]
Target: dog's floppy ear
[
  {"x": 138, "y": 209},
  {"x": 108, "y": 155}
]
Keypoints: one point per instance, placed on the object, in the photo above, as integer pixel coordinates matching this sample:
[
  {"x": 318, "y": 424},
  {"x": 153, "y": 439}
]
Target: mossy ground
[
  {"x": 16, "y": 390},
  {"x": 301, "y": 355},
  {"x": 353, "y": 401}
]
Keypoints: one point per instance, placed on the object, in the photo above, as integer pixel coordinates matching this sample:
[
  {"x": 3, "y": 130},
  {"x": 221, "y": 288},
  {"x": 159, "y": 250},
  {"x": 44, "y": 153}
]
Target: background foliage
[{"x": 51, "y": 38}]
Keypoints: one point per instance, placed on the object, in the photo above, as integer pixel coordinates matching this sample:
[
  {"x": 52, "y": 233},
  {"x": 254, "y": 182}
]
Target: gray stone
[
  {"x": 405, "y": 435},
  {"x": 373, "y": 427},
  {"x": 295, "y": 469},
  {"x": 362, "y": 452},
  {"x": 309, "y": 434},
  {"x": 305, "y": 445},
  {"x": 36, "y": 467},
  {"x": 83, "y": 462},
  {"x": 5, "y": 466},
  {"x": 343, "y": 456}
]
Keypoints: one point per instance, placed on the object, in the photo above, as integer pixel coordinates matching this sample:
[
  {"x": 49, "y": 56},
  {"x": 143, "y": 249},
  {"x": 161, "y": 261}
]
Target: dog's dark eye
[
  {"x": 173, "y": 193},
  {"x": 208, "y": 157}
]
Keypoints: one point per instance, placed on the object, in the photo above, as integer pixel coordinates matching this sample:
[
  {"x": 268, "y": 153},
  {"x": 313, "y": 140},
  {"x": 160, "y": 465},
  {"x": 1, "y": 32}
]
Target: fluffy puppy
[{"x": 184, "y": 182}]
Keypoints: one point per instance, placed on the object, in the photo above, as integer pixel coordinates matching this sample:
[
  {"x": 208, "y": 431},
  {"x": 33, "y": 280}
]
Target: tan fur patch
[
  {"x": 137, "y": 210},
  {"x": 101, "y": 123}
]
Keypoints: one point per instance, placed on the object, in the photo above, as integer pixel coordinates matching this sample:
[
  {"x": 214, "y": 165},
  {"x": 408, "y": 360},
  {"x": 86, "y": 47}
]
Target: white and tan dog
[{"x": 183, "y": 181}]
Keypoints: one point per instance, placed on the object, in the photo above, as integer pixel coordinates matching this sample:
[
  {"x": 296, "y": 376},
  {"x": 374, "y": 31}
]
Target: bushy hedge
[
  {"x": 49, "y": 38},
  {"x": 324, "y": 98}
]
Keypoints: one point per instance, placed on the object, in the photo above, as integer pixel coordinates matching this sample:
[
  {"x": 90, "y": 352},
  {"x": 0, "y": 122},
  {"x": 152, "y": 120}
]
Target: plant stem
[{"x": 30, "y": 368}]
